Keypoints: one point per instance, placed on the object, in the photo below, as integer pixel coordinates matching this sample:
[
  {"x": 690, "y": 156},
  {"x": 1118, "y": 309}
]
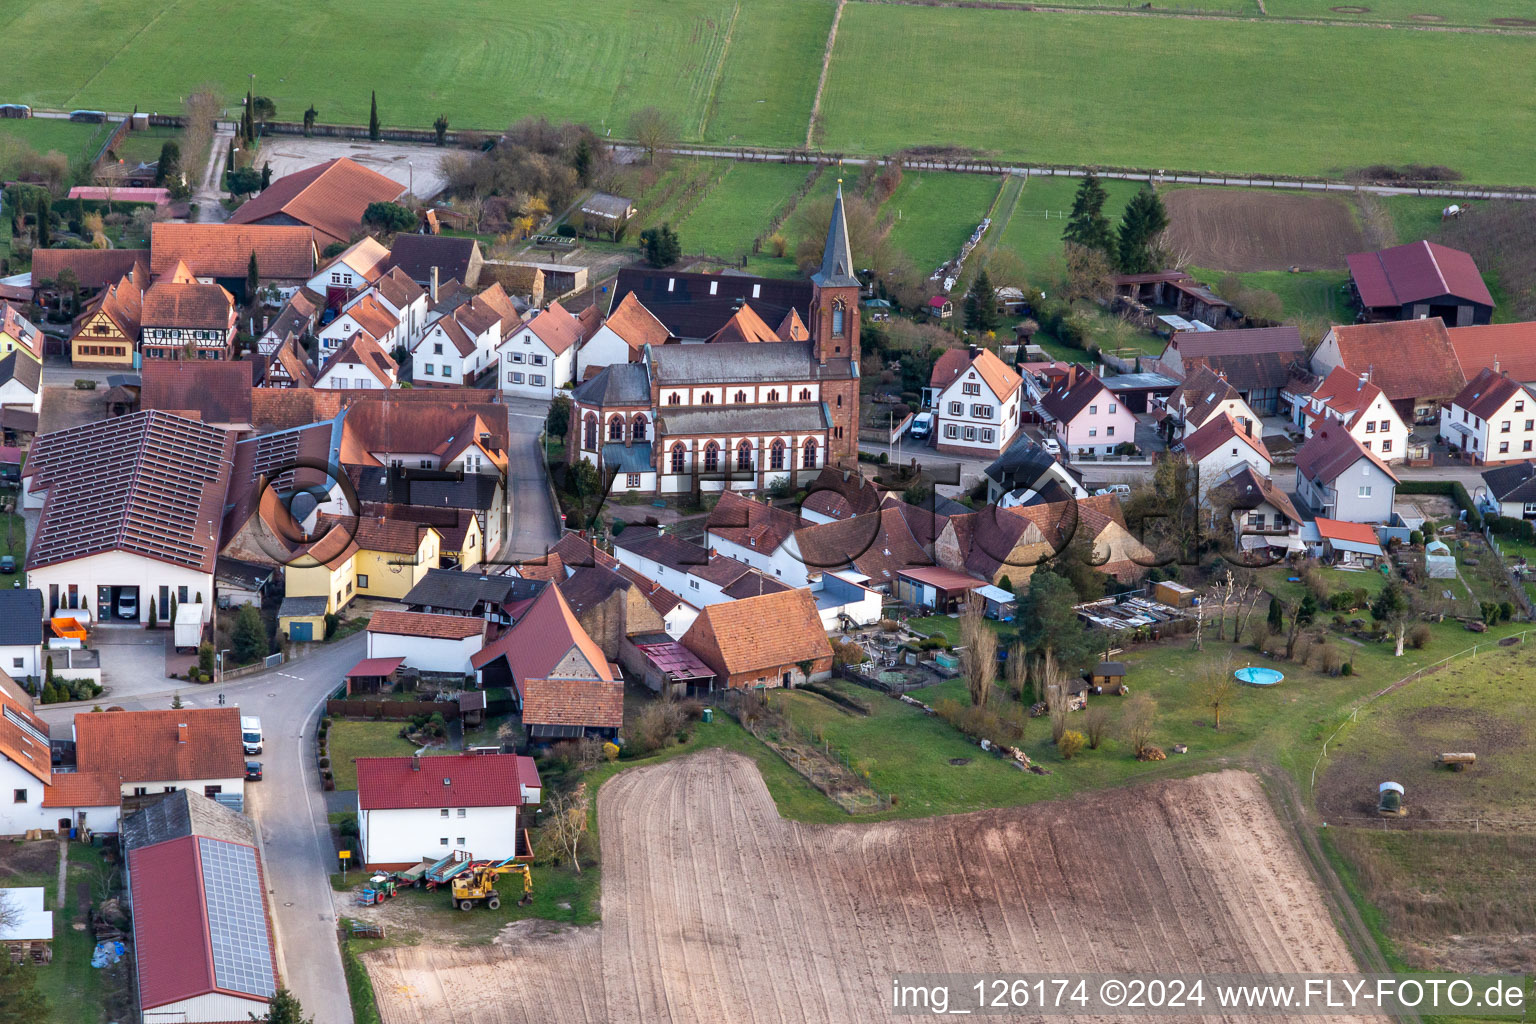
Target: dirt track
[
  {"x": 716, "y": 909},
  {"x": 1232, "y": 229}
]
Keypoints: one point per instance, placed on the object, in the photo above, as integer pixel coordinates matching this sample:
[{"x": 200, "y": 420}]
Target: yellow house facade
[{"x": 385, "y": 567}]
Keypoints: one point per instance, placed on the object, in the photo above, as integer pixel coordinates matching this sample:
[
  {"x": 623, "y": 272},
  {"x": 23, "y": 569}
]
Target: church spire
[{"x": 837, "y": 260}]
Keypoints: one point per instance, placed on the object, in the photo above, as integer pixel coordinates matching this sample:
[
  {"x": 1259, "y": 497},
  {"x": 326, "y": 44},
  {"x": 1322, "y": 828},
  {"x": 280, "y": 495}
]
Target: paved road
[
  {"x": 535, "y": 524},
  {"x": 290, "y": 812}
]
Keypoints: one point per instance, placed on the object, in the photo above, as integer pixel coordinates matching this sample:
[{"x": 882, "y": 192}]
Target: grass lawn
[
  {"x": 723, "y": 69},
  {"x": 74, "y": 990},
  {"x": 350, "y": 740},
  {"x": 743, "y": 201},
  {"x": 1051, "y": 96},
  {"x": 1034, "y": 230},
  {"x": 1316, "y": 293},
  {"x": 77, "y": 141},
  {"x": 1448, "y": 12},
  {"x": 144, "y": 146},
  {"x": 1414, "y": 217},
  {"x": 936, "y": 212}
]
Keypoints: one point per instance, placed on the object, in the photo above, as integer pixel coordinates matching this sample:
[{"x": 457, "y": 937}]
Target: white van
[
  {"x": 250, "y": 734},
  {"x": 922, "y": 425}
]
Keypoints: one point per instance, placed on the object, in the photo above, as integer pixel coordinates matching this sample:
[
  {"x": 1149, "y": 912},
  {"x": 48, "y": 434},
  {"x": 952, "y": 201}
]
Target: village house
[
  {"x": 1256, "y": 361},
  {"x": 496, "y": 599},
  {"x": 699, "y": 575},
  {"x": 868, "y": 550},
  {"x": 131, "y": 509},
  {"x": 427, "y": 258},
  {"x": 42, "y": 797},
  {"x": 364, "y": 313},
  {"x": 838, "y": 494},
  {"x": 293, "y": 323},
  {"x": 773, "y": 640},
  {"x": 21, "y": 633},
  {"x": 1420, "y": 280},
  {"x": 21, "y": 383},
  {"x": 456, "y": 348},
  {"x": 1509, "y": 349},
  {"x": 1204, "y": 396},
  {"x": 462, "y": 543},
  {"x": 202, "y": 926},
  {"x": 182, "y": 318},
  {"x": 18, "y": 334},
  {"x": 1337, "y": 478},
  {"x": 1026, "y": 474},
  {"x": 1492, "y": 419},
  {"x": 217, "y": 393},
  {"x": 562, "y": 682},
  {"x": 357, "y": 267},
  {"x": 221, "y": 254},
  {"x": 1260, "y": 513},
  {"x": 329, "y": 198},
  {"x": 976, "y": 402},
  {"x": 1355, "y": 402},
  {"x": 623, "y": 336},
  {"x": 319, "y": 579},
  {"x": 994, "y": 543},
  {"x": 1412, "y": 361},
  {"x": 538, "y": 357},
  {"x": 482, "y": 494},
  {"x": 403, "y": 299},
  {"x": 1511, "y": 490},
  {"x": 474, "y": 803},
  {"x": 359, "y": 363},
  {"x": 1221, "y": 447},
  {"x": 1086, "y": 417},
  {"x": 288, "y": 366},
  {"x": 106, "y": 333},
  {"x": 442, "y": 644},
  {"x": 162, "y": 751}
]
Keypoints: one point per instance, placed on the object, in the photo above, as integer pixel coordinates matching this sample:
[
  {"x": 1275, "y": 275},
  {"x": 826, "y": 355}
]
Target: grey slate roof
[
  {"x": 24, "y": 369},
  {"x": 837, "y": 258},
  {"x": 617, "y": 384},
  {"x": 634, "y": 459},
  {"x": 21, "y": 618},
  {"x": 452, "y": 590},
  {"x": 733, "y": 419},
  {"x": 742, "y": 361},
  {"x": 304, "y": 606},
  {"x": 184, "y": 813},
  {"x": 416, "y": 255},
  {"x": 1022, "y": 463},
  {"x": 1515, "y": 482},
  {"x": 475, "y": 491},
  {"x": 684, "y": 304}
]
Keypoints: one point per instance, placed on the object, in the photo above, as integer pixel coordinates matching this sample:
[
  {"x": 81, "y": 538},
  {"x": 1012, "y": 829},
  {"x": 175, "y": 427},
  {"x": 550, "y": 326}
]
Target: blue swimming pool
[{"x": 1256, "y": 675}]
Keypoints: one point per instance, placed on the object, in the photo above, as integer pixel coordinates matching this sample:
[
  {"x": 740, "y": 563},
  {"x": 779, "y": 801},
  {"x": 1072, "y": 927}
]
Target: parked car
[
  {"x": 253, "y": 771},
  {"x": 128, "y": 605},
  {"x": 7, "y": 564},
  {"x": 1051, "y": 445},
  {"x": 1120, "y": 490}
]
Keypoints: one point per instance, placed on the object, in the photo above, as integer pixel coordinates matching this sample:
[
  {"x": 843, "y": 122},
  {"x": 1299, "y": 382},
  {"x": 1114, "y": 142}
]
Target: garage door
[{"x": 301, "y": 632}]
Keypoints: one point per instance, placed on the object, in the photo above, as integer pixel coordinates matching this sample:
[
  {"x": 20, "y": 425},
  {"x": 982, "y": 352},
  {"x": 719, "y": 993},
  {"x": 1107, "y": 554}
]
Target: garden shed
[
  {"x": 1438, "y": 561},
  {"x": 29, "y": 937}
]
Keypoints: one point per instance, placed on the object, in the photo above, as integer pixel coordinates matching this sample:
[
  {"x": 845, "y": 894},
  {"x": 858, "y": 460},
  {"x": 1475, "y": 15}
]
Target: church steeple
[{"x": 837, "y": 260}]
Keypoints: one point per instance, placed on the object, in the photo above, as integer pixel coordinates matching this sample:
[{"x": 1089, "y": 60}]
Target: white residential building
[
  {"x": 426, "y": 642},
  {"x": 1221, "y": 448},
  {"x": 976, "y": 400},
  {"x": 365, "y": 313},
  {"x": 1352, "y": 400},
  {"x": 538, "y": 357},
  {"x": 360, "y": 364},
  {"x": 351, "y": 272},
  {"x": 1492, "y": 419},
  {"x": 622, "y": 337},
  {"x": 411, "y": 807}
]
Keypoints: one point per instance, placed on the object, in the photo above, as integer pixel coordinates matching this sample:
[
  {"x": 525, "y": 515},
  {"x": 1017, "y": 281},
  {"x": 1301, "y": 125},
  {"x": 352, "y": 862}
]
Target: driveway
[
  {"x": 289, "y": 809},
  {"x": 535, "y": 523}
]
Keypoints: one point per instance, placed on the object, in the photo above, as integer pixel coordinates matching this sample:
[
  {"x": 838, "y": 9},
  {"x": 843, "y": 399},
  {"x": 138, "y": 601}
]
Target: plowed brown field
[
  {"x": 1255, "y": 229},
  {"x": 715, "y": 909}
]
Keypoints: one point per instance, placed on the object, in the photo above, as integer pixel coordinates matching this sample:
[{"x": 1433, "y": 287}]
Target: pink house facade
[{"x": 1086, "y": 417}]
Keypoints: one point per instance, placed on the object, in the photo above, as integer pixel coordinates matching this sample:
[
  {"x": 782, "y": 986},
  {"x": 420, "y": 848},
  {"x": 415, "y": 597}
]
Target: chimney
[
  {"x": 181, "y": 732},
  {"x": 975, "y": 351},
  {"x": 416, "y": 758},
  {"x": 432, "y": 287}
]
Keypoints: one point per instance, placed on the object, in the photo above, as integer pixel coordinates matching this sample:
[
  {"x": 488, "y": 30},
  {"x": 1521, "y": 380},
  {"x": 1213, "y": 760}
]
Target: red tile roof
[
  {"x": 329, "y": 197},
  {"x": 635, "y": 324},
  {"x": 1411, "y": 273},
  {"x": 1407, "y": 359},
  {"x": 425, "y": 625},
  {"x": 556, "y": 328},
  {"x": 1511, "y": 348},
  {"x": 1346, "y": 393},
  {"x": 1335, "y": 529},
  {"x": 539, "y": 641},
  {"x": 84, "y": 789},
  {"x": 1217, "y": 433},
  {"x": 150, "y": 484},
  {"x": 593, "y": 703},
  {"x": 219, "y": 389},
  {"x": 1002, "y": 379},
  {"x": 744, "y": 325},
  {"x": 366, "y": 256},
  {"x": 363, "y": 350},
  {"x": 759, "y": 634},
  {"x": 93, "y": 268},
  {"x": 1487, "y": 393},
  {"x": 283, "y": 252},
  {"x": 467, "y": 780},
  {"x": 374, "y": 667},
  {"x": 751, "y": 524},
  {"x": 17, "y": 742},
  {"x": 21, "y": 330},
  {"x": 1332, "y": 451},
  {"x": 147, "y": 746}
]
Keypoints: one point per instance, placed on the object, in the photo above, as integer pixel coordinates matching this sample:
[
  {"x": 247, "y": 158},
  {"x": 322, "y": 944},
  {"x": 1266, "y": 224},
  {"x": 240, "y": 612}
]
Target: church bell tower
[{"x": 835, "y": 295}]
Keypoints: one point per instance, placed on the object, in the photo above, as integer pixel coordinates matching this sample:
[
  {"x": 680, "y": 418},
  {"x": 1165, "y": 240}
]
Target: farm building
[
  {"x": 27, "y": 935},
  {"x": 1509, "y": 349},
  {"x": 428, "y": 643},
  {"x": 452, "y": 259},
  {"x": 1418, "y": 281},
  {"x": 1136, "y": 391},
  {"x": 1256, "y": 362},
  {"x": 1151, "y": 289},
  {"x": 940, "y": 308},
  {"x": 669, "y": 667},
  {"x": 607, "y": 213},
  {"x": 1412, "y": 361},
  {"x": 409, "y": 808},
  {"x": 329, "y": 198},
  {"x": 773, "y": 640}
]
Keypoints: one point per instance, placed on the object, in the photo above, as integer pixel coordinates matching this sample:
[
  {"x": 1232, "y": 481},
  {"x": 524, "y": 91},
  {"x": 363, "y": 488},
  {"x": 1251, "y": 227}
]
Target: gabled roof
[
  {"x": 291, "y": 358},
  {"x": 1255, "y": 357},
  {"x": 745, "y": 326},
  {"x": 1355, "y": 533},
  {"x": 547, "y": 635},
  {"x": 26, "y": 372},
  {"x": 93, "y": 268},
  {"x": 1332, "y": 451},
  {"x": 122, "y": 302},
  {"x": 218, "y": 390},
  {"x": 1509, "y": 348},
  {"x": 187, "y": 305},
  {"x": 1410, "y": 273},
  {"x": 635, "y": 324},
  {"x": 1002, "y": 379},
  {"x": 555, "y": 327},
  {"x": 1069, "y": 398},
  {"x": 618, "y": 384},
  {"x": 1407, "y": 359},
  {"x": 1513, "y": 482},
  {"x": 297, "y": 315},
  {"x": 465, "y": 780},
  {"x": 751, "y": 524},
  {"x": 462, "y": 591},
  {"x": 147, "y": 746},
  {"x": 1204, "y": 392},
  {"x": 695, "y": 306},
  {"x": 397, "y": 288},
  {"x": 416, "y": 255},
  {"x": 757, "y": 634},
  {"x": 1217, "y": 433},
  {"x": 1346, "y": 393},
  {"x": 23, "y": 736},
  {"x": 371, "y": 316},
  {"x": 283, "y": 251},
  {"x": 181, "y": 814},
  {"x": 329, "y": 197},
  {"x": 1247, "y": 489},
  {"x": 589, "y": 703},
  {"x": 425, "y": 626},
  {"x": 682, "y": 556},
  {"x": 361, "y": 349},
  {"x": 837, "y": 270},
  {"x": 452, "y": 524},
  {"x": 792, "y": 328},
  {"x": 1489, "y": 392},
  {"x": 151, "y": 484},
  {"x": 366, "y": 257},
  {"x": 588, "y": 587},
  {"x": 878, "y": 544},
  {"x": 377, "y": 533},
  {"x": 840, "y": 494}
]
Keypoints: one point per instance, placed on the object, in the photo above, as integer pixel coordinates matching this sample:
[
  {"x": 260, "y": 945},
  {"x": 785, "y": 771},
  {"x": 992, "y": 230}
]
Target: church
[{"x": 756, "y": 383}]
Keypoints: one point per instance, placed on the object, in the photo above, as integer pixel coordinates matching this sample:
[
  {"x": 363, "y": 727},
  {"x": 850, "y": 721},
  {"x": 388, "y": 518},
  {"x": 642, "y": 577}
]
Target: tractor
[
  {"x": 380, "y": 888},
  {"x": 478, "y": 884}
]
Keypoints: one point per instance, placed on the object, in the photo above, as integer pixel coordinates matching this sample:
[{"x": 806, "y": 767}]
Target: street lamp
[{"x": 411, "y": 178}]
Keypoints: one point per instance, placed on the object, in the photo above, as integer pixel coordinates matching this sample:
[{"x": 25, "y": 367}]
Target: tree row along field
[
  {"x": 715, "y": 909},
  {"x": 1071, "y": 88}
]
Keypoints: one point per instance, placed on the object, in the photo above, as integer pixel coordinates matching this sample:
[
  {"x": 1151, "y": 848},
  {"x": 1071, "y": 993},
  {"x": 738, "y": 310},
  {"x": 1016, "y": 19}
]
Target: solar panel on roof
[{"x": 237, "y": 920}]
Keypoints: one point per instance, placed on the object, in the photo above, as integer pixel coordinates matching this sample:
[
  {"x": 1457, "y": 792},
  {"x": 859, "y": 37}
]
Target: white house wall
[
  {"x": 406, "y": 835},
  {"x": 206, "y": 1009},
  {"x": 122, "y": 569},
  {"x": 427, "y": 654}
]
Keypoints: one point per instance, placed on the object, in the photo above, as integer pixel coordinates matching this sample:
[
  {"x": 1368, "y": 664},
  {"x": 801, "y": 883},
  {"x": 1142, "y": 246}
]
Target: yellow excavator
[{"x": 478, "y": 884}]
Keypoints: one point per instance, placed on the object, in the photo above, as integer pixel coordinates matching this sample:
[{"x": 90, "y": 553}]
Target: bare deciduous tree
[
  {"x": 1096, "y": 724},
  {"x": 561, "y": 834},
  {"x": 199, "y": 112},
  {"x": 1017, "y": 672},
  {"x": 1217, "y": 689},
  {"x": 654, "y": 129},
  {"x": 1137, "y": 722},
  {"x": 10, "y": 913},
  {"x": 979, "y": 654}
]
